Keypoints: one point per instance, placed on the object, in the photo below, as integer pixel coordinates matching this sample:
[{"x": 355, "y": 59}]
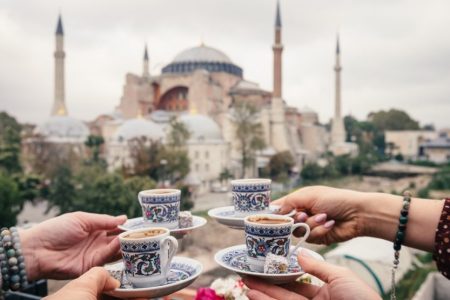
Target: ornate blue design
[
  {"x": 251, "y": 187},
  {"x": 135, "y": 247},
  {"x": 144, "y": 264},
  {"x": 159, "y": 198},
  {"x": 162, "y": 213},
  {"x": 268, "y": 231},
  {"x": 237, "y": 259},
  {"x": 257, "y": 246},
  {"x": 256, "y": 201}
]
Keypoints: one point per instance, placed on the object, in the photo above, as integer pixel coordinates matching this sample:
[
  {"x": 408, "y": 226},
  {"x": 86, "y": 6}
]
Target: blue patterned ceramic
[
  {"x": 227, "y": 216},
  {"x": 160, "y": 207},
  {"x": 250, "y": 196},
  {"x": 235, "y": 259},
  {"x": 147, "y": 254},
  {"x": 139, "y": 223},
  {"x": 183, "y": 271},
  {"x": 261, "y": 237}
]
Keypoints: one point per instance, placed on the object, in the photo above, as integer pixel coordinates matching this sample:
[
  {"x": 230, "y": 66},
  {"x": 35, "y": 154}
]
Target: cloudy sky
[{"x": 394, "y": 53}]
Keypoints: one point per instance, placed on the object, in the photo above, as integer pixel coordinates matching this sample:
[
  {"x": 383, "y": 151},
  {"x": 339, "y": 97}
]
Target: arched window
[{"x": 174, "y": 99}]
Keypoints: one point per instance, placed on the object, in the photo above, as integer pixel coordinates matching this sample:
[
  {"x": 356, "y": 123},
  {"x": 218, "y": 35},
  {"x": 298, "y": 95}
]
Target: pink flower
[{"x": 207, "y": 294}]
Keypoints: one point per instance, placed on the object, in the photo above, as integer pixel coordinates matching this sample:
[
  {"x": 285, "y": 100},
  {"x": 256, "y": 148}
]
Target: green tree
[
  {"x": 311, "y": 172},
  {"x": 62, "y": 193},
  {"x": 280, "y": 165},
  {"x": 94, "y": 143},
  {"x": 10, "y": 143},
  {"x": 178, "y": 134},
  {"x": 248, "y": 132},
  {"x": 10, "y": 202},
  {"x": 393, "y": 119}
]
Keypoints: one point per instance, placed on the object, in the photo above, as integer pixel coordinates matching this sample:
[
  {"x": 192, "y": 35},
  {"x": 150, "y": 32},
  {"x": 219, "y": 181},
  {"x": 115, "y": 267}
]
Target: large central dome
[
  {"x": 202, "y": 57},
  {"x": 202, "y": 53}
]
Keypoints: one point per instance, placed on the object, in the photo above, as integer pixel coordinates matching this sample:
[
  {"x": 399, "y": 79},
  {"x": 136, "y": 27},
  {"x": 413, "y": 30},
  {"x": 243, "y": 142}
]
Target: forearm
[{"x": 381, "y": 217}]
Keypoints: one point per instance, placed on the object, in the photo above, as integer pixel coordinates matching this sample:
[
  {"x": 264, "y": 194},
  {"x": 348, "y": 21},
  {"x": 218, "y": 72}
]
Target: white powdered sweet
[
  {"x": 185, "y": 219},
  {"x": 275, "y": 264}
]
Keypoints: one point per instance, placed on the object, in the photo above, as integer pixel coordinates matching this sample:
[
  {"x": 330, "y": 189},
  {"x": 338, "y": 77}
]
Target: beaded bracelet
[
  {"x": 399, "y": 237},
  {"x": 12, "y": 262}
]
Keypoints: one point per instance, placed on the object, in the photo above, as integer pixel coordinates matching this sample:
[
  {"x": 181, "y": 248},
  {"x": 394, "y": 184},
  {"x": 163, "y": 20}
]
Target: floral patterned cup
[
  {"x": 250, "y": 196},
  {"x": 147, "y": 254},
  {"x": 160, "y": 207},
  {"x": 266, "y": 233}
]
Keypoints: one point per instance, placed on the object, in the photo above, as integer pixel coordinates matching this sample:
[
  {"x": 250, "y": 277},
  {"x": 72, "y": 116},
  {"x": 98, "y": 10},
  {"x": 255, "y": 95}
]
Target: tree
[
  {"x": 178, "y": 134},
  {"x": 10, "y": 144},
  {"x": 248, "y": 132},
  {"x": 10, "y": 202},
  {"x": 94, "y": 142},
  {"x": 280, "y": 165},
  {"x": 393, "y": 119},
  {"x": 62, "y": 193},
  {"x": 311, "y": 172}
]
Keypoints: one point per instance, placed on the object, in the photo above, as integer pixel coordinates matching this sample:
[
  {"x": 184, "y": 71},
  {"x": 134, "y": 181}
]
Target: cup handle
[
  {"x": 302, "y": 239},
  {"x": 171, "y": 247}
]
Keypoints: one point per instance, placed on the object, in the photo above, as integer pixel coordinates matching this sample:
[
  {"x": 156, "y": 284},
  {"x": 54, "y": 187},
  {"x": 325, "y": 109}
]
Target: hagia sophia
[{"x": 200, "y": 87}]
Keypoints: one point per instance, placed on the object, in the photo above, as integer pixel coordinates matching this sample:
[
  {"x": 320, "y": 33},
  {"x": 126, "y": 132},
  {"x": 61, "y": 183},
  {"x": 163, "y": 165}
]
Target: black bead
[
  {"x": 404, "y": 212},
  {"x": 397, "y": 246}
]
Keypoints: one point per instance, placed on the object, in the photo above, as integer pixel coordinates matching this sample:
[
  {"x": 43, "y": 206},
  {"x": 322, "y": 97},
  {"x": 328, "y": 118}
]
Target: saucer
[
  {"x": 183, "y": 271},
  {"x": 235, "y": 259},
  {"x": 225, "y": 215},
  {"x": 139, "y": 223}
]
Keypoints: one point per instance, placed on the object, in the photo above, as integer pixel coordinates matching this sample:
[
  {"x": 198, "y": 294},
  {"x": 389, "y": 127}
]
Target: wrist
[
  {"x": 30, "y": 251},
  {"x": 380, "y": 215}
]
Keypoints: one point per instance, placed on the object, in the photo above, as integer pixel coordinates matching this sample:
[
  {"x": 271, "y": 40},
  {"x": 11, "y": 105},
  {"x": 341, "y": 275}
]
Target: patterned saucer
[
  {"x": 138, "y": 223},
  {"x": 225, "y": 215},
  {"x": 183, "y": 271},
  {"x": 235, "y": 259}
]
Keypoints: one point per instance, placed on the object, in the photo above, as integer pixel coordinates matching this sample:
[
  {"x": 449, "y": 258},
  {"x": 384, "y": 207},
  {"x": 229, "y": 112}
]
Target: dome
[
  {"x": 136, "y": 128},
  {"x": 202, "y": 57},
  {"x": 202, "y": 53},
  {"x": 63, "y": 129},
  {"x": 201, "y": 127}
]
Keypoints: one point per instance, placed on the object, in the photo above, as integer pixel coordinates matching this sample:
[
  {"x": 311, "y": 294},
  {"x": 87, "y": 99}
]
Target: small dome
[
  {"x": 202, "y": 53},
  {"x": 201, "y": 127},
  {"x": 136, "y": 128},
  {"x": 63, "y": 129}
]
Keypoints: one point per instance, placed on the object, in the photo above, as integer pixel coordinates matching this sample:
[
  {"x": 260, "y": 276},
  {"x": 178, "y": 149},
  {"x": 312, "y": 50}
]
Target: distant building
[
  {"x": 407, "y": 142},
  {"x": 436, "y": 150}
]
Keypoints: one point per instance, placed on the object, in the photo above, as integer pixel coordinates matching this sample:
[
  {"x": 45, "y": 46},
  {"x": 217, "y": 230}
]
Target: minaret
[
  {"x": 146, "y": 72},
  {"x": 59, "y": 106},
  {"x": 278, "y": 126},
  {"x": 338, "y": 130}
]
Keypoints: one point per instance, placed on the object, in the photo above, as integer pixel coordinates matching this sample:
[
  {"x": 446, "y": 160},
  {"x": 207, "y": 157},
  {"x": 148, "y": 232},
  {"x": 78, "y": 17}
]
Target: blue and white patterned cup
[
  {"x": 266, "y": 233},
  {"x": 147, "y": 254},
  {"x": 160, "y": 207},
  {"x": 250, "y": 196}
]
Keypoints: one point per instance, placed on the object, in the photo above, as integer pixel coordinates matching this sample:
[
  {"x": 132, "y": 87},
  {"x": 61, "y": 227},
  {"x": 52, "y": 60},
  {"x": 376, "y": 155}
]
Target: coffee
[
  {"x": 144, "y": 234},
  {"x": 265, "y": 220},
  {"x": 156, "y": 192}
]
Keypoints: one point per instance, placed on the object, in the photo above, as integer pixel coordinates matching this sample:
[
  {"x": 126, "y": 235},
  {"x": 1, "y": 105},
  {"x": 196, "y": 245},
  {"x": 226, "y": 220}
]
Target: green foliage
[
  {"x": 312, "y": 172},
  {"x": 225, "y": 175},
  {"x": 441, "y": 180},
  {"x": 393, "y": 119},
  {"x": 411, "y": 282},
  {"x": 186, "y": 198},
  {"x": 248, "y": 132},
  {"x": 94, "y": 142},
  {"x": 280, "y": 165},
  {"x": 9, "y": 144},
  {"x": 62, "y": 190},
  {"x": 10, "y": 201},
  {"x": 178, "y": 134}
]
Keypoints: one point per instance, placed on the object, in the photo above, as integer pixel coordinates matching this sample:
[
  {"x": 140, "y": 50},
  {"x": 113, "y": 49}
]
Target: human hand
[
  {"x": 65, "y": 247},
  {"x": 89, "y": 286},
  {"x": 316, "y": 204},
  {"x": 340, "y": 283}
]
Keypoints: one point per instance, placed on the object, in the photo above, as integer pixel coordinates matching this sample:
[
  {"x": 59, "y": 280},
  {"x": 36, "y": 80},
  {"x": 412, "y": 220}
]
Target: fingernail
[
  {"x": 329, "y": 224},
  {"x": 301, "y": 217},
  {"x": 305, "y": 253},
  {"x": 320, "y": 218}
]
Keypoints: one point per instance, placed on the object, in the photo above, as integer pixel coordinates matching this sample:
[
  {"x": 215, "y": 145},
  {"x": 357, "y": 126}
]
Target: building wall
[
  {"x": 407, "y": 142},
  {"x": 437, "y": 155}
]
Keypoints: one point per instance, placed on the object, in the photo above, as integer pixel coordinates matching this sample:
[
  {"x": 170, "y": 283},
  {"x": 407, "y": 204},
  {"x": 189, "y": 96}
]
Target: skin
[
  {"x": 89, "y": 286},
  {"x": 350, "y": 214},
  {"x": 338, "y": 282},
  {"x": 69, "y": 245}
]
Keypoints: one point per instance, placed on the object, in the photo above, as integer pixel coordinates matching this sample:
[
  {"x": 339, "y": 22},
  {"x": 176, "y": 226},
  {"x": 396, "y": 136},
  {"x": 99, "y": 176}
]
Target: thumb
[
  {"x": 285, "y": 204},
  {"x": 92, "y": 222},
  {"x": 99, "y": 277},
  {"x": 322, "y": 270}
]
